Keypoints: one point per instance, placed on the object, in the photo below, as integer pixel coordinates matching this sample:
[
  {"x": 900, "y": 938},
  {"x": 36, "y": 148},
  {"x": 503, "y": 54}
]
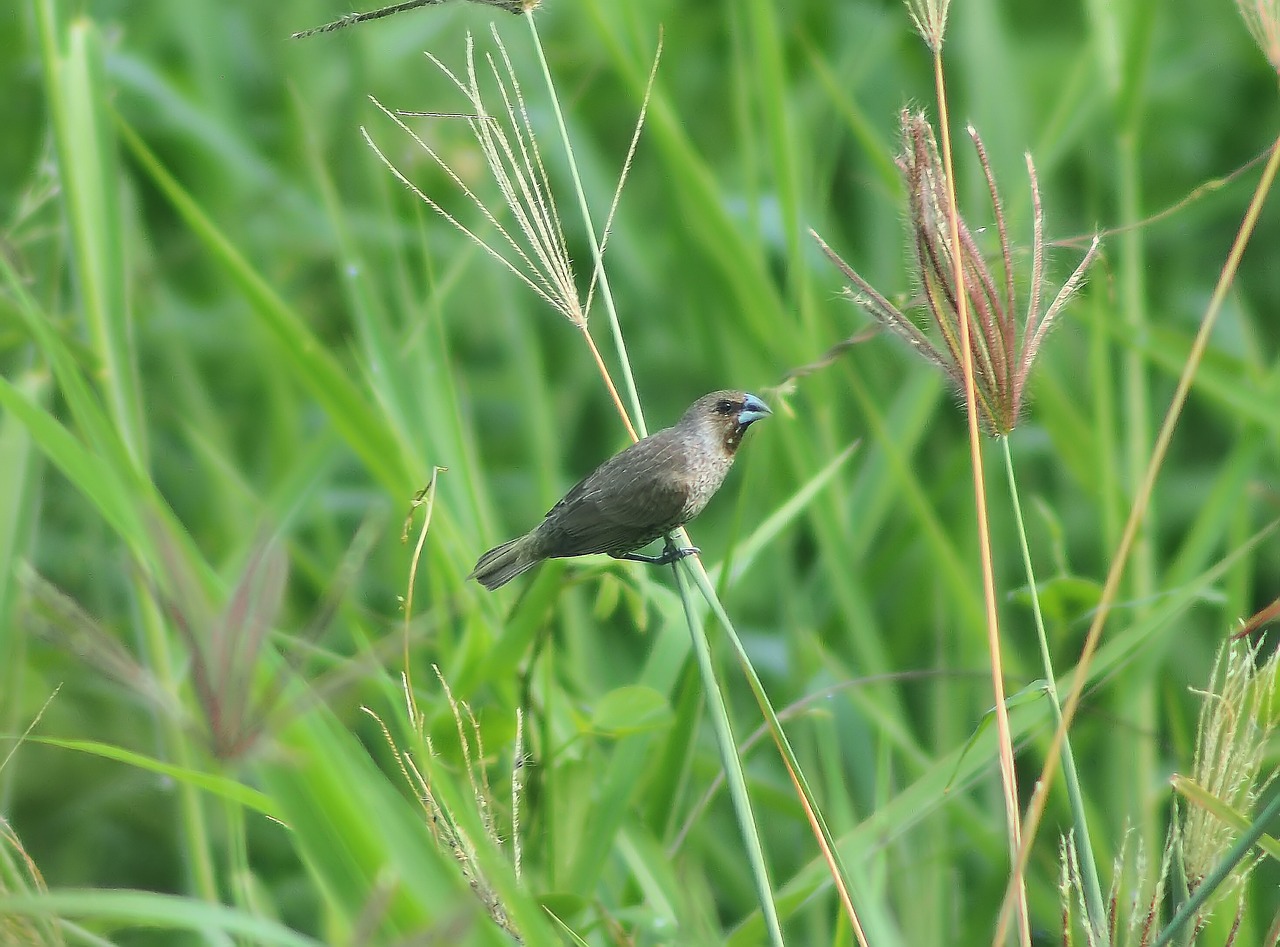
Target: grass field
[{"x": 235, "y": 348}]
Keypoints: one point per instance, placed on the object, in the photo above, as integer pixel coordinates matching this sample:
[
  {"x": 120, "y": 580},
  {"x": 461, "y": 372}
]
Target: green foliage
[{"x": 225, "y": 329}]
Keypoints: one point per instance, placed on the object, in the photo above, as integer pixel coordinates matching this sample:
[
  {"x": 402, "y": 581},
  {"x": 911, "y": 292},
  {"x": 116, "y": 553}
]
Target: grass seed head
[
  {"x": 1002, "y": 345},
  {"x": 532, "y": 243},
  {"x": 1262, "y": 17},
  {"x": 930, "y": 20},
  {"x": 1236, "y": 724}
]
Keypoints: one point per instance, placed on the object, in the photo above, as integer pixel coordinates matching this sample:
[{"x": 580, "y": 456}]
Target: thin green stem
[
  {"x": 1083, "y": 842},
  {"x": 605, "y": 292},
  {"x": 238, "y": 871},
  {"x": 734, "y": 775},
  {"x": 826, "y": 841},
  {"x": 19, "y": 499}
]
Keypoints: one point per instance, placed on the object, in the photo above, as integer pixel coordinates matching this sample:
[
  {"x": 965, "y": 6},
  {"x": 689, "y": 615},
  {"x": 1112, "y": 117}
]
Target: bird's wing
[{"x": 628, "y": 501}]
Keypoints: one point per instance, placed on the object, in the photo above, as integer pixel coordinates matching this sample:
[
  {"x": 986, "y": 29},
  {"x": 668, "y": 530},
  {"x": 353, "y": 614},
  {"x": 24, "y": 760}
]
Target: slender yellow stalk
[
  {"x": 608, "y": 383},
  {"x": 1003, "y": 732}
]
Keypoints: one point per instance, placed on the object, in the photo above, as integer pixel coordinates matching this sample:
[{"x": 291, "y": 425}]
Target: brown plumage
[{"x": 644, "y": 492}]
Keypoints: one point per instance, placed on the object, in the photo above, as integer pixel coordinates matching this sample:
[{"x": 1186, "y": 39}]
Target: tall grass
[{"x": 236, "y": 347}]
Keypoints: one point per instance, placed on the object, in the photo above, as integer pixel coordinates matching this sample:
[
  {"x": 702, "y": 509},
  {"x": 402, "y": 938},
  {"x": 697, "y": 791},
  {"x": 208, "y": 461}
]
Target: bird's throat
[{"x": 734, "y": 438}]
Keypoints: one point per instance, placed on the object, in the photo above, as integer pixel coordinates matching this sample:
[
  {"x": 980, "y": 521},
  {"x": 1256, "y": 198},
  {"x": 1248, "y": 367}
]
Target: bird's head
[{"x": 725, "y": 415}]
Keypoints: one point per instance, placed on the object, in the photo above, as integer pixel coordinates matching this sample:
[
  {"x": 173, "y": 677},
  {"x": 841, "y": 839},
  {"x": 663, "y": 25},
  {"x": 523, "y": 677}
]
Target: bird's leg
[
  {"x": 670, "y": 553},
  {"x": 673, "y": 553}
]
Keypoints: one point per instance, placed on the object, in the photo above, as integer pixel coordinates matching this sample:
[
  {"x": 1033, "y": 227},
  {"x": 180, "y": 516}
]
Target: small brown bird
[{"x": 642, "y": 493}]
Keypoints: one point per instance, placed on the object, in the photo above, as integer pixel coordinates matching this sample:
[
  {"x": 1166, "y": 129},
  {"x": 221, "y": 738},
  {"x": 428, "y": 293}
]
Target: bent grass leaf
[
  {"x": 125, "y": 908},
  {"x": 1197, "y": 795},
  {"x": 631, "y": 709},
  {"x": 360, "y": 423},
  {"x": 1063, "y": 598},
  {"x": 220, "y": 786},
  {"x": 1036, "y": 690}
]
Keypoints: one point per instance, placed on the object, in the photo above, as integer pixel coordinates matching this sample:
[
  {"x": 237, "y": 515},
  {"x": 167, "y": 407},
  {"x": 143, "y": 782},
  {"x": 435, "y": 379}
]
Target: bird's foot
[{"x": 672, "y": 553}]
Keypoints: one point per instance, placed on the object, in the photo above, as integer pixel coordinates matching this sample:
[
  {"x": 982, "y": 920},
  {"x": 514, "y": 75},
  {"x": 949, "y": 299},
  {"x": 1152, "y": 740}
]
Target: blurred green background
[{"x": 278, "y": 363}]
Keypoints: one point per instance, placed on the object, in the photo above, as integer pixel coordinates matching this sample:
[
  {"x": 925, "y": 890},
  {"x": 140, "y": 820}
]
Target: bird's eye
[{"x": 725, "y": 407}]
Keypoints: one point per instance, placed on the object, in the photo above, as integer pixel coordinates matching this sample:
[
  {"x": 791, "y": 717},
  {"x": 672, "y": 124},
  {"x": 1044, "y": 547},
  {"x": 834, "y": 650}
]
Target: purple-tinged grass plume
[{"x": 1003, "y": 344}]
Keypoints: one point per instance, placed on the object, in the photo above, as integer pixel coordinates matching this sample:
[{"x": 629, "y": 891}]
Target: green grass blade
[
  {"x": 360, "y": 425},
  {"x": 221, "y": 786},
  {"x": 126, "y": 909}
]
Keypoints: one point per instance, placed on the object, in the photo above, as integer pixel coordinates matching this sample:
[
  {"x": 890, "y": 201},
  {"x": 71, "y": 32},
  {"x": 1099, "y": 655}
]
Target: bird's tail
[{"x": 503, "y": 563}]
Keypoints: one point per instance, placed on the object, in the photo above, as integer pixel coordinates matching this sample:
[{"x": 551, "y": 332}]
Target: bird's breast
[{"x": 704, "y": 479}]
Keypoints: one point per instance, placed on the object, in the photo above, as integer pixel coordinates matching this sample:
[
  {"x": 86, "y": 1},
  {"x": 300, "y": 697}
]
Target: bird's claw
[{"x": 672, "y": 553}]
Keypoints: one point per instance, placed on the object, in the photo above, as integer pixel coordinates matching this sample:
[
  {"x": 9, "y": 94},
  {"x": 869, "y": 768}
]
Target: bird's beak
[{"x": 753, "y": 409}]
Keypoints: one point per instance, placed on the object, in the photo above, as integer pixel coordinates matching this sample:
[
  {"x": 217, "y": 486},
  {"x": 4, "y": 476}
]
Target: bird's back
[{"x": 642, "y": 493}]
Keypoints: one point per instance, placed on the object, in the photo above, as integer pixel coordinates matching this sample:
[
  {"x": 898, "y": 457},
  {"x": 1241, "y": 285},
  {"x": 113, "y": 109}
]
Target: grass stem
[
  {"x": 1094, "y": 902},
  {"x": 822, "y": 833},
  {"x": 735, "y": 777},
  {"x": 606, "y": 293},
  {"x": 1007, "y": 775}
]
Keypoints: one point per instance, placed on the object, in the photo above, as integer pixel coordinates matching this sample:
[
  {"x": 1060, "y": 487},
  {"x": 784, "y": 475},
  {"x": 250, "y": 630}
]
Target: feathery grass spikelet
[
  {"x": 535, "y": 250},
  {"x": 1135, "y": 900},
  {"x": 1003, "y": 347},
  {"x": 1236, "y": 724},
  {"x": 445, "y": 827},
  {"x": 1262, "y": 17},
  {"x": 930, "y": 20}
]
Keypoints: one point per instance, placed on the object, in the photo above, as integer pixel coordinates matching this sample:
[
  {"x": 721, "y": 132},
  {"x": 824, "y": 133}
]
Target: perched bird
[{"x": 642, "y": 493}]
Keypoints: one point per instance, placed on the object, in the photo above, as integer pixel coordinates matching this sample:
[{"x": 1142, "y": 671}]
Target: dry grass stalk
[
  {"x": 351, "y": 19},
  {"x": 20, "y": 876},
  {"x": 445, "y": 827}
]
